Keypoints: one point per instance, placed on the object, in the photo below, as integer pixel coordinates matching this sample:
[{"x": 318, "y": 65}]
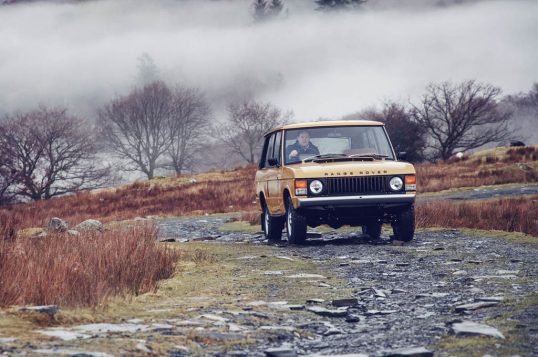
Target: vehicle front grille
[{"x": 368, "y": 185}]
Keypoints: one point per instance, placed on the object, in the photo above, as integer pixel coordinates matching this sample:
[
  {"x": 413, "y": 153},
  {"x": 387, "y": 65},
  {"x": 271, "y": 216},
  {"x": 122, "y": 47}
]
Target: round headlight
[
  {"x": 396, "y": 184},
  {"x": 316, "y": 187}
]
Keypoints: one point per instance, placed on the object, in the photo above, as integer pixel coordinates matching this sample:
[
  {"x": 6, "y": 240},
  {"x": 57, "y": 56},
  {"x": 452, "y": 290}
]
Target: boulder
[
  {"x": 57, "y": 225},
  {"x": 90, "y": 225}
]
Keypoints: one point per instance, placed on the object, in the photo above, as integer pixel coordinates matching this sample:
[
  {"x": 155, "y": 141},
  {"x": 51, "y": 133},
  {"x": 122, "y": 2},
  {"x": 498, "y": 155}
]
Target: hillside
[{"x": 233, "y": 191}]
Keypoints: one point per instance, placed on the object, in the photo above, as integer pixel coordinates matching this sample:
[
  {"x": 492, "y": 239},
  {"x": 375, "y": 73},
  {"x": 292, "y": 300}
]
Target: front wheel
[
  {"x": 272, "y": 226},
  {"x": 295, "y": 224},
  {"x": 404, "y": 224},
  {"x": 372, "y": 229}
]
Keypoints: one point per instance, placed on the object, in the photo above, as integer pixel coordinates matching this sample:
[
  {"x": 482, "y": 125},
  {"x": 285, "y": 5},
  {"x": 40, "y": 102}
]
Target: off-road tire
[
  {"x": 295, "y": 224},
  {"x": 372, "y": 229},
  {"x": 404, "y": 224},
  {"x": 272, "y": 226}
]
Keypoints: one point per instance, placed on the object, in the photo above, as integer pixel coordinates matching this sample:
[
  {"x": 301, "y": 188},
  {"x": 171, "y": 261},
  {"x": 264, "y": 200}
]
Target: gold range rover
[{"x": 335, "y": 173}]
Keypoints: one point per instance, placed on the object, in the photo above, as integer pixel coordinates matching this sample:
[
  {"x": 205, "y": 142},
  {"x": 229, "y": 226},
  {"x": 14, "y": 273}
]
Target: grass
[
  {"x": 84, "y": 270},
  {"x": 491, "y": 167}
]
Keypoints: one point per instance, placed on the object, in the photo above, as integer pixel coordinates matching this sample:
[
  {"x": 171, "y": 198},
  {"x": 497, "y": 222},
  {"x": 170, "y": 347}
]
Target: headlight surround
[
  {"x": 316, "y": 187},
  {"x": 396, "y": 183}
]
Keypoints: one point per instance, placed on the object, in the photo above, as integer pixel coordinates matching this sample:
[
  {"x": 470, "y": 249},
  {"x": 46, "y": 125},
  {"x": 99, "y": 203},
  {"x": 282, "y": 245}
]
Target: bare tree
[
  {"x": 461, "y": 117},
  {"x": 248, "y": 122},
  {"x": 264, "y": 10},
  {"x": 51, "y": 153},
  {"x": 137, "y": 127},
  {"x": 338, "y": 4},
  {"x": 8, "y": 176},
  {"x": 191, "y": 114},
  {"x": 155, "y": 127}
]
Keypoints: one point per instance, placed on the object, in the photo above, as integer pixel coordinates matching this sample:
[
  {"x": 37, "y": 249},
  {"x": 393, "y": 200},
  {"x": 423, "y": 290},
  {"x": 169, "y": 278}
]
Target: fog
[{"x": 316, "y": 64}]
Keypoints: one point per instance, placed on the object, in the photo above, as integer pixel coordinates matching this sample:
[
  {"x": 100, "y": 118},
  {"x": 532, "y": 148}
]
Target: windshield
[{"x": 338, "y": 142}]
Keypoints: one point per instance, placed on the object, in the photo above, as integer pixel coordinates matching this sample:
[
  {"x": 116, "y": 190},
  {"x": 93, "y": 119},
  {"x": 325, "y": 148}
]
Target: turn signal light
[
  {"x": 410, "y": 179},
  {"x": 301, "y": 187},
  {"x": 410, "y": 183}
]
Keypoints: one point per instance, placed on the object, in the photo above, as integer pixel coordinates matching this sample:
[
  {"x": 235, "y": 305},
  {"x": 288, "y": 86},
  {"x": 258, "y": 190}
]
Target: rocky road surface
[{"x": 392, "y": 300}]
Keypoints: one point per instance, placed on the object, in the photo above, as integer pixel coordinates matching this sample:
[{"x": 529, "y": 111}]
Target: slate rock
[
  {"x": 57, "y": 225},
  {"x": 280, "y": 352},
  {"x": 475, "y": 306},
  {"x": 90, "y": 225},
  {"x": 406, "y": 352},
  {"x": 345, "y": 302},
  {"x": 73, "y": 353},
  {"x": 318, "y": 310},
  {"x": 473, "y": 328},
  {"x": 50, "y": 310}
]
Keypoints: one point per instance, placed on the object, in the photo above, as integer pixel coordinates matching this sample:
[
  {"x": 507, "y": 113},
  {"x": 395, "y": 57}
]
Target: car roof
[{"x": 325, "y": 123}]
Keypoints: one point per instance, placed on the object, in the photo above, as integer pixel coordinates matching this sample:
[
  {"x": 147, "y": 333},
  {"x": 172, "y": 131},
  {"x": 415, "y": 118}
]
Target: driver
[{"x": 302, "y": 146}]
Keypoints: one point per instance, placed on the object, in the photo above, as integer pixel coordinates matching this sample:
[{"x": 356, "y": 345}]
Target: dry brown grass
[
  {"x": 492, "y": 168},
  {"x": 214, "y": 192},
  {"x": 508, "y": 214},
  {"x": 84, "y": 270}
]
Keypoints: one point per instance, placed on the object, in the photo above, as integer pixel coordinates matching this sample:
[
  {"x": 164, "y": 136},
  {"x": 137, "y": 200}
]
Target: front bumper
[{"x": 365, "y": 200}]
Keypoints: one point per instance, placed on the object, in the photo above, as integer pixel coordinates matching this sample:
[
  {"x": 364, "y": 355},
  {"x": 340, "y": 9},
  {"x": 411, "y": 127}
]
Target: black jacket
[{"x": 311, "y": 149}]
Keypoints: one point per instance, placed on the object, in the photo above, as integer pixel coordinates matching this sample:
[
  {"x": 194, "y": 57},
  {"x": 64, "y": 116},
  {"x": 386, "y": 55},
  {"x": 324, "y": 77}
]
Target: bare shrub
[{"x": 83, "y": 270}]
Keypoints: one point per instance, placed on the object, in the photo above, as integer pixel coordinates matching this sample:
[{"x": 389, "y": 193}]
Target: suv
[{"x": 335, "y": 173}]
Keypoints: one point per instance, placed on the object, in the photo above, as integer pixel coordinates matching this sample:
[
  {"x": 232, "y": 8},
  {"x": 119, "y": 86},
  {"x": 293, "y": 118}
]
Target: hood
[{"x": 350, "y": 168}]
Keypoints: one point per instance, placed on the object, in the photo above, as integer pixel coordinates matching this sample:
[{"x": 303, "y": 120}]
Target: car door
[{"x": 275, "y": 173}]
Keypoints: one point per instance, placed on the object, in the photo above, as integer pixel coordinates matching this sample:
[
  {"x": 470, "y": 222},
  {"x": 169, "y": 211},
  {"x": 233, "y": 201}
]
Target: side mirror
[
  {"x": 272, "y": 161},
  {"x": 402, "y": 155}
]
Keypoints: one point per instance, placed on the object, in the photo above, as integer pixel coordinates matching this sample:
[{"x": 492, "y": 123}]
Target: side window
[
  {"x": 264, "y": 155},
  {"x": 278, "y": 146},
  {"x": 269, "y": 150}
]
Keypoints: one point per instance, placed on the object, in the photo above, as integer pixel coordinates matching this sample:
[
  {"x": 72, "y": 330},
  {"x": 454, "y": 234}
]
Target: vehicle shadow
[{"x": 316, "y": 240}]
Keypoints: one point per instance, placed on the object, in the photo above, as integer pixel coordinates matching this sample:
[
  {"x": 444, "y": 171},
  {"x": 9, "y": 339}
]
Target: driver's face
[{"x": 303, "y": 139}]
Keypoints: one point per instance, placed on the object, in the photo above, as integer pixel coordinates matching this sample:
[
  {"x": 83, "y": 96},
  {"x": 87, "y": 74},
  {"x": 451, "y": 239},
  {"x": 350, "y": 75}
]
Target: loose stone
[
  {"x": 345, "y": 302},
  {"x": 473, "y": 328},
  {"x": 407, "y": 352},
  {"x": 474, "y": 306}
]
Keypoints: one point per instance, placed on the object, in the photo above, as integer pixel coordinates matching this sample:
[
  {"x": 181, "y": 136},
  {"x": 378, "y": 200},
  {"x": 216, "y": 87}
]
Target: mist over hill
[{"x": 82, "y": 54}]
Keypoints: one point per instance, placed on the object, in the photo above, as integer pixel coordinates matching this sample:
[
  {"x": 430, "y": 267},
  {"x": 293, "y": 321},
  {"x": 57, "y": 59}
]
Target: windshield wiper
[
  {"x": 369, "y": 156},
  {"x": 323, "y": 156}
]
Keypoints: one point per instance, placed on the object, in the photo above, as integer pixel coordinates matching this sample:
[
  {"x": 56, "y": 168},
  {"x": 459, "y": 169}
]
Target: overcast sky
[{"x": 318, "y": 65}]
